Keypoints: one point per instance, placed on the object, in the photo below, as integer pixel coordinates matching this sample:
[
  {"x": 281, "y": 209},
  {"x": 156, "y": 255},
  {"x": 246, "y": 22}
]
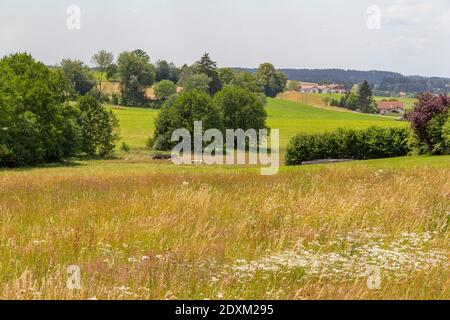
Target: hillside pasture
[
  {"x": 291, "y": 118},
  {"x": 319, "y": 99}
]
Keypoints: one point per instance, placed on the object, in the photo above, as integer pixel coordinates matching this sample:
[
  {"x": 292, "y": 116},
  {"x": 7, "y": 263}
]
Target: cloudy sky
[{"x": 408, "y": 36}]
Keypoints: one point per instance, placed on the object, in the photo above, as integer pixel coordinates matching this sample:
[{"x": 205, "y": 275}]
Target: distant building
[
  {"x": 337, "y": 88},
  {"x": 309, "y": 87},
  {"x": 385, "y": 107}
]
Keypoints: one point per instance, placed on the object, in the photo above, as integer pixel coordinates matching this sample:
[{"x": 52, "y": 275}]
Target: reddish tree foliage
[{"x": 426, "y": 109}]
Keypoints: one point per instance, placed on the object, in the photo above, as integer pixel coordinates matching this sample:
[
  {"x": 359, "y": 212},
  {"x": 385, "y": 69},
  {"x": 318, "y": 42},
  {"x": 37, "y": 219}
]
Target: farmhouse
[
  {"x": 385, "y": 107},
  {"x": 309, "y": 87}
]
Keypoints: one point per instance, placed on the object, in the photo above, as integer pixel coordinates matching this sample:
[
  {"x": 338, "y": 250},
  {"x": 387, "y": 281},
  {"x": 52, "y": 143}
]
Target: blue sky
[{"x": 414, "y": 37}]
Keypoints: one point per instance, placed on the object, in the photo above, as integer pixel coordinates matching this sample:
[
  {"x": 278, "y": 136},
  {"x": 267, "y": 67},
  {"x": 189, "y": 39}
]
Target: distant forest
[{"x": 383, "y": 82}]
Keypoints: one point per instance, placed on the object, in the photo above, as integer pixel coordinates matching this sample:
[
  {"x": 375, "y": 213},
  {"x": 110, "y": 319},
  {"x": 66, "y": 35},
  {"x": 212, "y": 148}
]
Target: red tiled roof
[{"x": 387, "y": 105}]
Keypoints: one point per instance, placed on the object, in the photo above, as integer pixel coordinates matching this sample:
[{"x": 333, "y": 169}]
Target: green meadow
[
  {"x": 145, "y": 229},
  {"x": 291, "y": 118},
  {"x": 409, "y": 102}
]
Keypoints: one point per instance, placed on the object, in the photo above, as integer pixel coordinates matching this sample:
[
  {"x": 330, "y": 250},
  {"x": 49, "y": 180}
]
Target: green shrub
[
  {"x": 99, "y": 128},
  {"x": 372, "y": 143},
  {"x": 182, "y": 112},
  {"x": 155, "y": 104},
  {"x": 115, "y": 99},
  {"x": 164, "y": 89},
  {"x": 436, "y": 134},
  {"x": 446, "y": 133},
  {"x": 125, "y": 147}
]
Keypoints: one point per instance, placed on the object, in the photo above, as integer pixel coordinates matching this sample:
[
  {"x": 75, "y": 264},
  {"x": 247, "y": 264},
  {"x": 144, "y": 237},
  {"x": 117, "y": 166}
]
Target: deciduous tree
[
  {"x": 102, "y": 60},
  {"x": 136, "y": 74}
]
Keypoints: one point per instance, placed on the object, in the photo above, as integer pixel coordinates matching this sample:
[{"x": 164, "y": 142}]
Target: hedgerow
[{"x": 371, "y": 143}]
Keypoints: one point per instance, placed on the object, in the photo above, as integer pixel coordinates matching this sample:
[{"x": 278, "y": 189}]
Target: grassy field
[
  {"x": 147, "y": 230},
  {"x": 292, "y": 118},
  {"x": 137, "y": 124},
  {"x": 142, "y": 229},
  {"x": 408, "y": 102}
]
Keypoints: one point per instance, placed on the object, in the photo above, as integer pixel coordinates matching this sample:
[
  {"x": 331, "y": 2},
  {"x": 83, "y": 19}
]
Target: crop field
[{"x": 143, "y": 229}]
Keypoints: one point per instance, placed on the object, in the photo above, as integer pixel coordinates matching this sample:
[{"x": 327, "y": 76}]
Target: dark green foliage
[
  {"x": 141, "y": 54},
  {"x": 125, "y": 147},
  {"x": 155, "y": 104},
  {"x": 136, "y": 74},
  {"x": 365, "y": 102},
  {"x": 227, "y": 76},
  {"x": 164, "y": 89},
  {"x": 334, "y": 102},
  {"x": 437, "y": 135},
  {"x": 446, "y": 134},
  {"x": 208, "y": 67},
  {"x": 241, "y": 109},
  {"x": 99, "y": 128},
  {"x": 272, "y": 81},
  {"x": 182, "y": 113},
  {"x": 372, "y": 143},
  {"x": 247, "y": 81},
  {"x": 115, "y": 99},
  {"x": 111, "y": 72},
  {"x": 195, "y": 81},
  {"x": 36, "y": 126},
  {"x": 166, "y": 71},
  {"x": 362, "y": 101},
  {"x": 78, "y": 75},
  {"x": 231, "y": 108}
]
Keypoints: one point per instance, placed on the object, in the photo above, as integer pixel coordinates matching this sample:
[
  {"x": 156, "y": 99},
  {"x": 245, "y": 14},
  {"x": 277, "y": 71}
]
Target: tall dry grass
[{"x": 228, "y": 234}]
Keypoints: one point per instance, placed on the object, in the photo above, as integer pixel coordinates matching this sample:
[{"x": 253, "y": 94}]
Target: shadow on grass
[{"x": 63, "y": 164}]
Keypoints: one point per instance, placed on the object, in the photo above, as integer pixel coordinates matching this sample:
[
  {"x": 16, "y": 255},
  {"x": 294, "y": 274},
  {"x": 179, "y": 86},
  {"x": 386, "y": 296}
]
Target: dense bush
[
  {"x": 446, "y": 133},
  {"x": 372, "y": 143},
  {"x": 182, "y": 113},
  {"x": 99, "y": 128},
  {"x": 427, "y": 121},
  {"x": 164, "y": 89},
  {"x": 231, "y": 108},
  {"x": 37, "y": 125},
  {"x": 79, "y": 76},
  {"x": 241, "y": 109}
]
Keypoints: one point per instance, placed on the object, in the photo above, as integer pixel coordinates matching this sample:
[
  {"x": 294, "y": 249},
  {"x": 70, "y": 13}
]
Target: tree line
[
  {"x": 135, "y": 73},
  {"x": 48, "y": 114},
  {"x": 362, "y": 100}
]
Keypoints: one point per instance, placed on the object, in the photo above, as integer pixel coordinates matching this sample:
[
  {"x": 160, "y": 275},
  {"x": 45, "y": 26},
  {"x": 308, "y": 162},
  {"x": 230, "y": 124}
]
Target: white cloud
[
  {"x": 410, "y": 13},
  {"x": 442, "y": 22}
]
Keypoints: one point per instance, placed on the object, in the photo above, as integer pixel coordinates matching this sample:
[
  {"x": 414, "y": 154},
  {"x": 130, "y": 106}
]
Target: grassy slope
[
  {"x": 136, "y": 124},
  {"x": 409, "y": 102},
  {"x": 290, "y": 117}
]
